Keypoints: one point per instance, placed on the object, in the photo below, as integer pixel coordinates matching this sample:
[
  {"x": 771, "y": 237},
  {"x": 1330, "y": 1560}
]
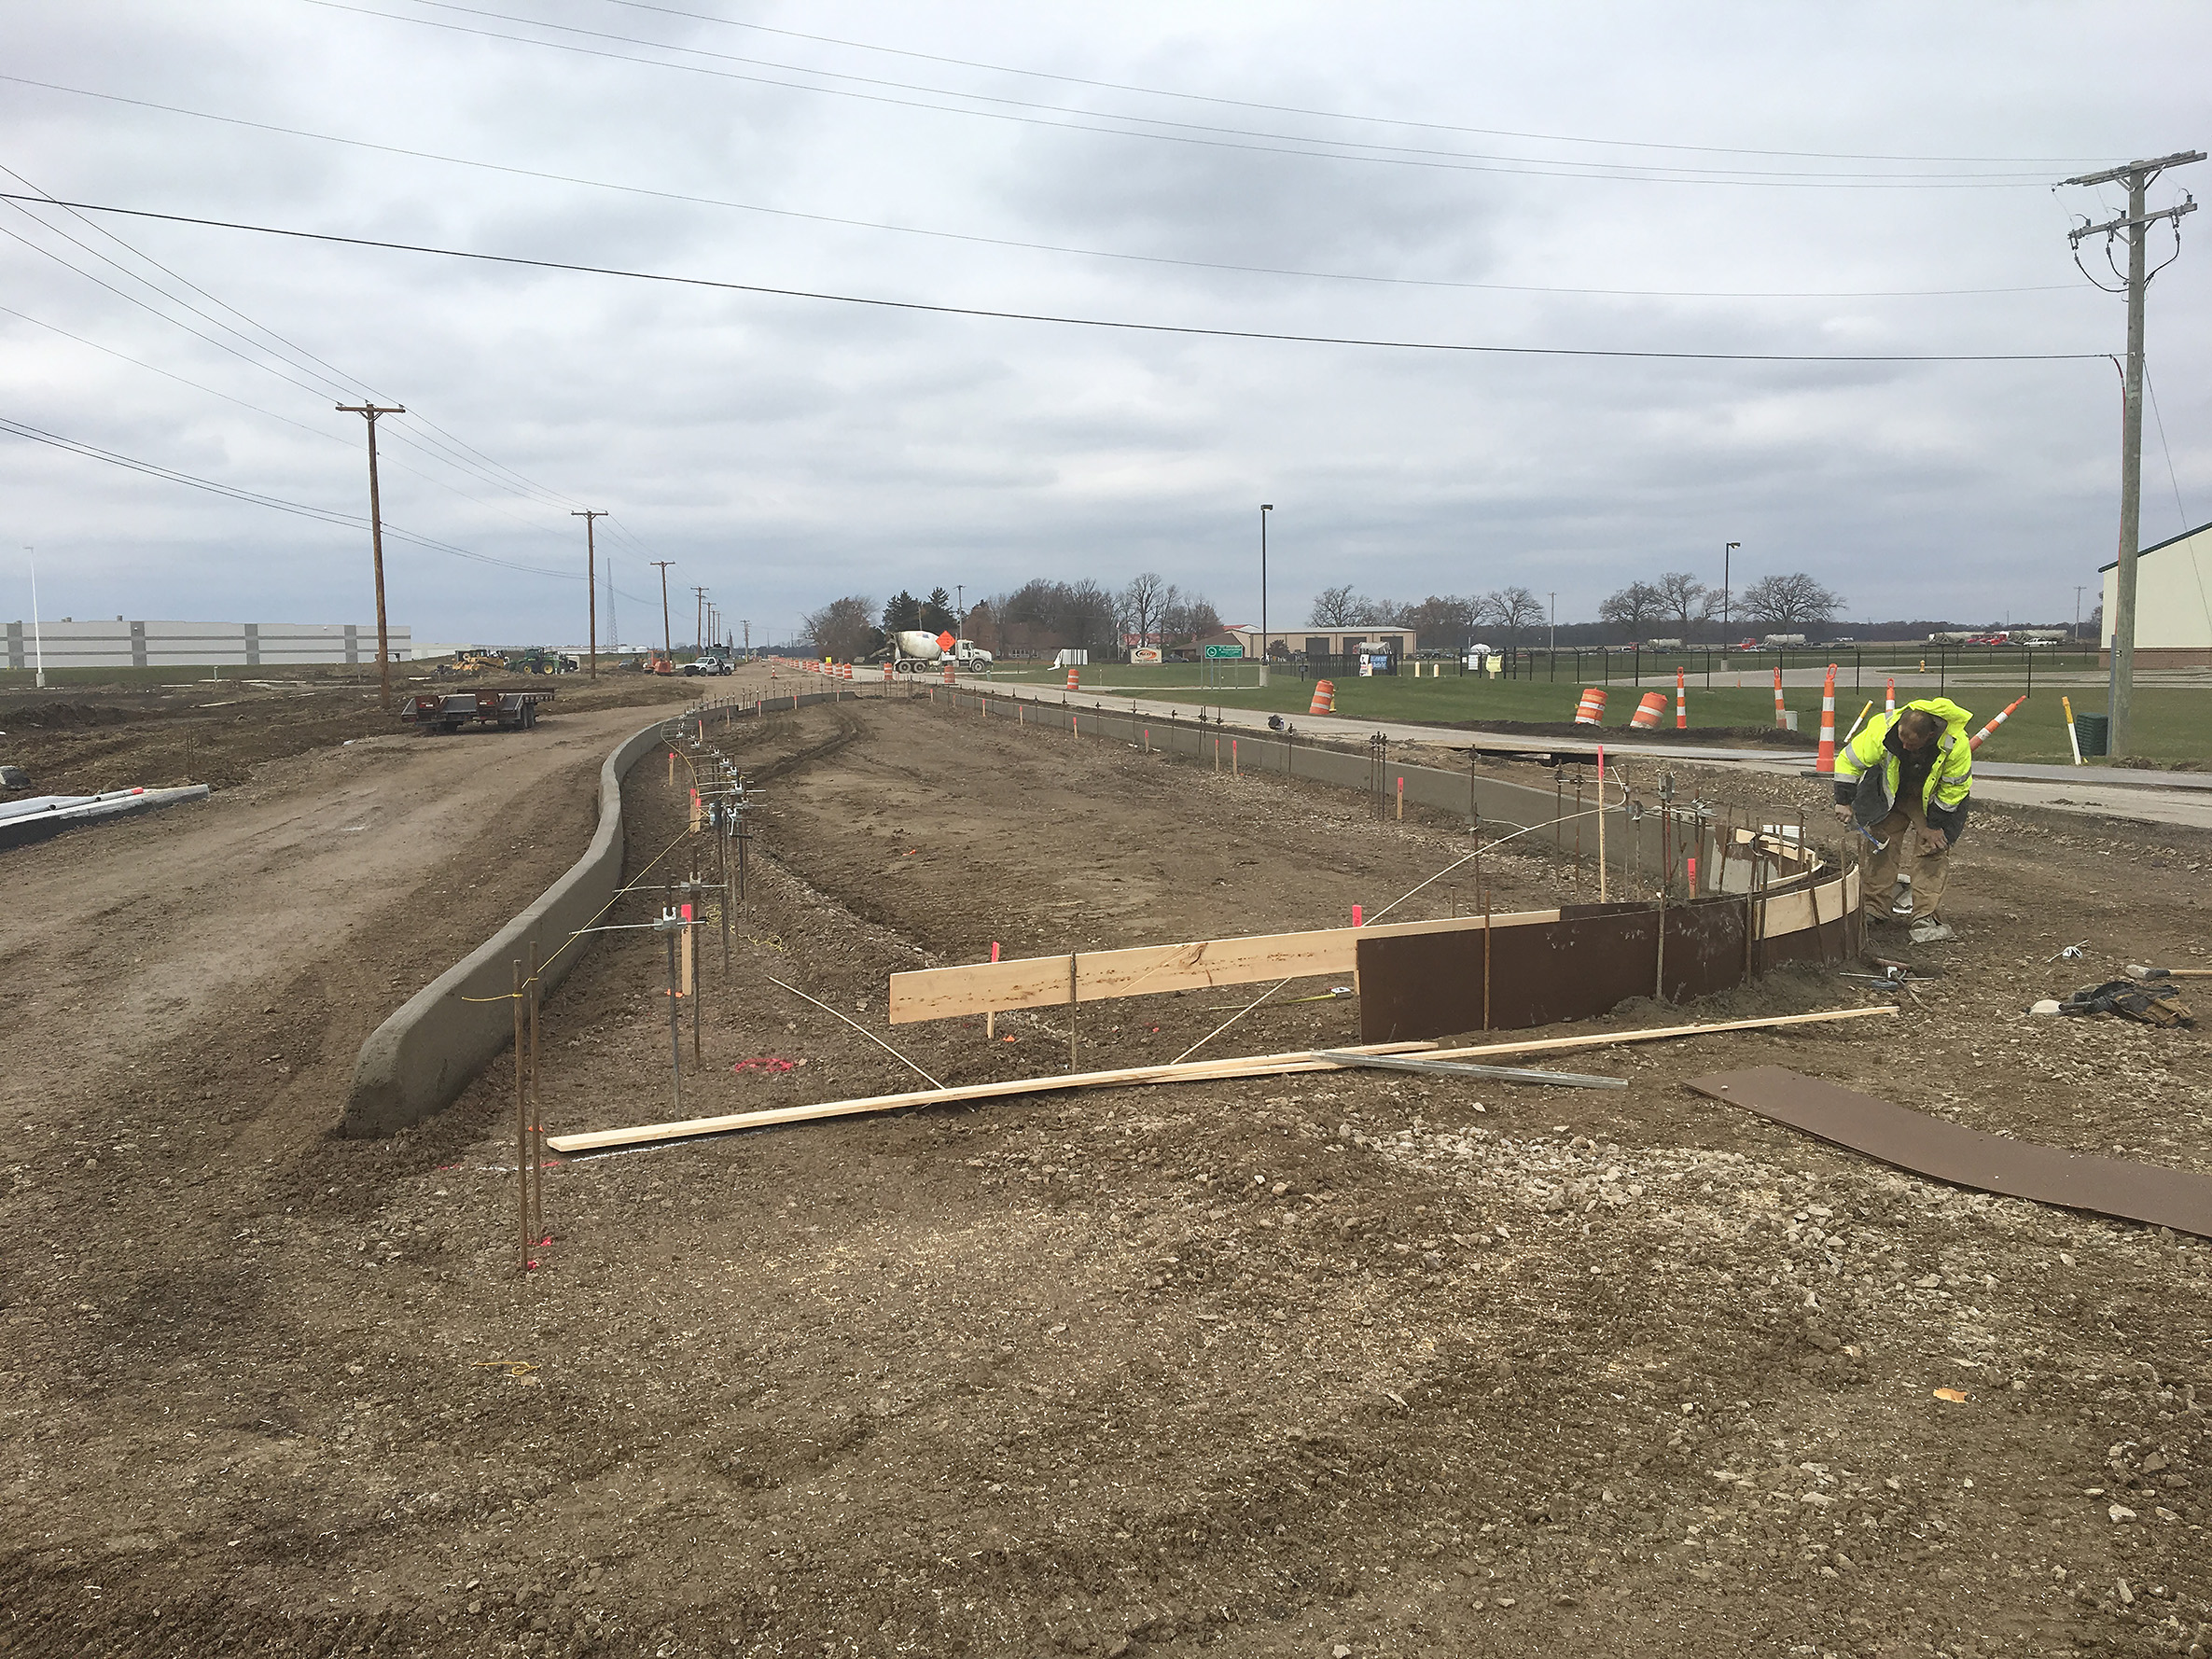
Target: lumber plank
[
  {"x": 1145, "y": 971},
  {"x": 1228, "y": 1069},
  {"x": 1195, "y": 1071}
]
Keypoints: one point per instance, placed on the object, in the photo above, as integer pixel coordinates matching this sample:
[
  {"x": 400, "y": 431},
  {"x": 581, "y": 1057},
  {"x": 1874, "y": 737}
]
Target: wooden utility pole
[
  {"x": 699, "y": 619},
  {"x": 2135, "y": 223},
  {"x": 376, "y": 545},
  {"x": 592, "y": 580},
  {"x": 667, "y": 645}
]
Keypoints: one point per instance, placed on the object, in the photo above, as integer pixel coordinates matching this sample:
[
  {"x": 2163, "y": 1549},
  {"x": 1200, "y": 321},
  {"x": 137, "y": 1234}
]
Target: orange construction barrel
[
  {"x": 1592, "y": 710},
  {"x": 1323, "y": 698}
]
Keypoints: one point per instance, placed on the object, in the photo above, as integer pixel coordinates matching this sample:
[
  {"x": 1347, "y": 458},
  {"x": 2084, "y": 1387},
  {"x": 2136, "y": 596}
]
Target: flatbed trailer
[{"x": 448, "y": 711}]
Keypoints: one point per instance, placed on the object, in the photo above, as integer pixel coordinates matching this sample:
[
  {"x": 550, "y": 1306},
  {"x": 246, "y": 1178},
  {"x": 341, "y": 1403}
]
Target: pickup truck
[{"x": 708, "y": 665}]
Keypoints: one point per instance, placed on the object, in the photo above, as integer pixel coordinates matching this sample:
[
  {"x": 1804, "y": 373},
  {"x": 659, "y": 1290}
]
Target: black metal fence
[{"x": 1630, "y": 664}]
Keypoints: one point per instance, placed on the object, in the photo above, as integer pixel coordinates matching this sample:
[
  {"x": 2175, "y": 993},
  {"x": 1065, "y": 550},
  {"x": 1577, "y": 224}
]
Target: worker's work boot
[{"x": 1933, "y": 930}]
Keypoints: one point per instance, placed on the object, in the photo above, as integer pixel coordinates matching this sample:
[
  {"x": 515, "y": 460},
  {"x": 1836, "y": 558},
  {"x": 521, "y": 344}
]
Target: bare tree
[
  {"x": 1441, "y": 622},
  {"x": 843, "y": 628},
  {"x": 1143, "y": 603},
  {"x": 1632, "y": 608},
  {"x": 1512, "y": 610},
  {"x": 1378, "y": 613},
  {"x": 1682, "y": 596},
  {"x": 1335, "y": 607},
  {"x": 1782, "y": 600},
  {"x": 1188, "y": 616}
]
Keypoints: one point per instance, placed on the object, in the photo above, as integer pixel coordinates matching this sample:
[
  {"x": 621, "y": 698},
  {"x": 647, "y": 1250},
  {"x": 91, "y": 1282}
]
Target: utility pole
[
  {"x": 699, "y": 617},
  {"x": 369, "y": 412},
  {"x": 747, "y": 621},
  {"x": 667, "y": 645},
  {"x": 1555, "y": 625},
  {"x": 1265, "y": 508},
  {"x": 2076, "y": 634},
  {"x": 1727, "y": 553},
  {"x": 2137, "y": 223},
  {"x": 591, "y": 582}
]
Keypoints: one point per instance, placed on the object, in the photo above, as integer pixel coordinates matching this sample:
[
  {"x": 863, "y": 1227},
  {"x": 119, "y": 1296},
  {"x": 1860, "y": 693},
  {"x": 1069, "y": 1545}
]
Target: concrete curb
[{"x": 417, "y": 1062}]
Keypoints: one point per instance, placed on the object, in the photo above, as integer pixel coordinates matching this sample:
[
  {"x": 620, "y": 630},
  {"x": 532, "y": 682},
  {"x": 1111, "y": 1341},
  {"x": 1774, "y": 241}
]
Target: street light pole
[
  {"x": 37, "y": 634},
  {"x": 1726, "y": 552},
  {"x": 1265, "y": 508},
  {"x": 1555, "y": 625}
]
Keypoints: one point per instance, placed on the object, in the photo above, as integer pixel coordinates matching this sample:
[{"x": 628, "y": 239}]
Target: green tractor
[{"x": 540, "y": 660}]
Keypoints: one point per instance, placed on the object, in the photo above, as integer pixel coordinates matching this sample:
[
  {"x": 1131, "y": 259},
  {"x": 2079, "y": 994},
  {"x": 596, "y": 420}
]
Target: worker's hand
[
  {"x": 1933, "y": 840},
  {"x": 1843, "y": 813}
]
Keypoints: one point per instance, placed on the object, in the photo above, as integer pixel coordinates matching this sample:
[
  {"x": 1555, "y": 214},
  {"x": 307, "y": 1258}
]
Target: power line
[
  {"x": 443, "y": 447},
  {"x": 321, "y": 514},
  {"x": 1111, "y": 86},
  {"x": 1194, "y": 133},
  {"x": 974, "y": 239},
  {"x": 1078, "y": 322}
]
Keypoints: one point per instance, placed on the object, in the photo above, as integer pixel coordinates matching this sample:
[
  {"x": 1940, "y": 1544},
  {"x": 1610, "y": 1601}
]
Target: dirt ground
[{"x": 1346, "y": 1364}]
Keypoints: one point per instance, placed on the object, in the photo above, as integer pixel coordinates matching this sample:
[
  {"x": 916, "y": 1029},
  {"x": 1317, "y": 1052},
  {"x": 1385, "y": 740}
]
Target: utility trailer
[{"x": 448, "y": 711}]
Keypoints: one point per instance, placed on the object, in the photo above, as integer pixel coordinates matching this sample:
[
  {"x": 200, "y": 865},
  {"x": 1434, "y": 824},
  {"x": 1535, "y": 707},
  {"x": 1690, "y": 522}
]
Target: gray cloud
[{"x": 782, "y": 451}]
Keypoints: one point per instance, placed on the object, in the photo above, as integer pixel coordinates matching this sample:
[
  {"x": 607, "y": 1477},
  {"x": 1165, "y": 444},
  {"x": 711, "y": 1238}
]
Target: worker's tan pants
[{"x": 1900, "y": 832}]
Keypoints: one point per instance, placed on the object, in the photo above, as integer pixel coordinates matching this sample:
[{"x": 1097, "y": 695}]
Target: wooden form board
[
  {"x": 1042, "y": 982},
  {"x": 1247, "y": 1066}
]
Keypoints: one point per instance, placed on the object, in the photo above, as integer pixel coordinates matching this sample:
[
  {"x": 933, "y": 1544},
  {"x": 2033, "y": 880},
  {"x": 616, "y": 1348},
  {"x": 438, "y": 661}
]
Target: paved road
[{"x": 2147, "y": 797}]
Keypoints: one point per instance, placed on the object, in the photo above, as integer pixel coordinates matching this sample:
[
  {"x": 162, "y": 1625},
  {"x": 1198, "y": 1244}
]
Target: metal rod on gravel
[
  {"x": 521, "y": 1118},
  {"x": 862, "y": 1029},
  {"x": 1504, "y": 1074}
]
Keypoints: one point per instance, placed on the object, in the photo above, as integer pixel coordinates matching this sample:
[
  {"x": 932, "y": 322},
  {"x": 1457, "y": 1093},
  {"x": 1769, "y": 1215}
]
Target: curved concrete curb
[
  {"x": 435, "y": 1043},
  {"x": 418, "y": 1061}
]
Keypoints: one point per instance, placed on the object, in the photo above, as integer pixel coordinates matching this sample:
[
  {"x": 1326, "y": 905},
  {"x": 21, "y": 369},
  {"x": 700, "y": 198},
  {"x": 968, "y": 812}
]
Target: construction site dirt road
[{"x": 1342, "y": 1364}]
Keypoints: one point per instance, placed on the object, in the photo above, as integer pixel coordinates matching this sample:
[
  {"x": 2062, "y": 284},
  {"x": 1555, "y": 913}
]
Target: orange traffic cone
[
  {"x": 1681, "y": 704},
  {"x": 1826, "y": 762},
  {"x": 1324, "y": 700},
  {"x": 1071, "y": 677},
  {"x": 1996, "y": 723},
  {"x": 1590, "y": 711},
  {"x": 1778, "y": 720},
  {"x": 1889, "y": 697},
  {"x": 1646, "y": 719}
]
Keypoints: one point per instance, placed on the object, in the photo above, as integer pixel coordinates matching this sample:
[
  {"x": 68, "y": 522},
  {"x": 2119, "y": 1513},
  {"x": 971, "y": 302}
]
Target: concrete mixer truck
[{"x": 914, "y": 651}]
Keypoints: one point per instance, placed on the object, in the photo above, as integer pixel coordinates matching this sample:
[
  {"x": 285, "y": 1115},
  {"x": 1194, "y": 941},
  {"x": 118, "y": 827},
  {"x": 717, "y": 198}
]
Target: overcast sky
[{"x": 1518, "y": 190}]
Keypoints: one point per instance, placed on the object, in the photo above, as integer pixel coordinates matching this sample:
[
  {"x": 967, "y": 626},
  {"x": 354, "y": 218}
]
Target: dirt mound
[{"x": 66, "y": 716}]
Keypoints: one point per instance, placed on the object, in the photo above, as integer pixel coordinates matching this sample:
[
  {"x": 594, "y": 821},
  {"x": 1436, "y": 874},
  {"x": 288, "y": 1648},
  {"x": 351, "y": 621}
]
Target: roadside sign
[{"x": 1225, "y": 650}]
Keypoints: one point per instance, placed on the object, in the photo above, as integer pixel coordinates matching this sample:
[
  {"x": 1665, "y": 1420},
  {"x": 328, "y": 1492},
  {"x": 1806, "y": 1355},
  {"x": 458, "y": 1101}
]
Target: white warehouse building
[
  {"x": 125, "y": 644},
  {"x": 2173, "y": 602}
]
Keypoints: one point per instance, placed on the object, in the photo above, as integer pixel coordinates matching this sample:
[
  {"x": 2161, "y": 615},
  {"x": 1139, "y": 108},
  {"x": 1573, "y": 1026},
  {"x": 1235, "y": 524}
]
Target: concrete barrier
[{"x": 417, "y": 1062}]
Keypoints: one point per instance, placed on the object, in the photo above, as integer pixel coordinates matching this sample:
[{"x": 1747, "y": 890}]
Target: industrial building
[
  {"x": 2173, "y": 602},
  {"x": 120, "y": 643}
]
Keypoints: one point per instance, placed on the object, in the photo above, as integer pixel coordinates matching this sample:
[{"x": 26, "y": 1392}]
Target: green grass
[{"x": 2171, "y": 723}]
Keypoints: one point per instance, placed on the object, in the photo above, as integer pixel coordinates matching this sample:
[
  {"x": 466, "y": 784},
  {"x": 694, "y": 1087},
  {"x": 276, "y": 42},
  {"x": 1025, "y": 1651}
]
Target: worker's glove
[{"x": 1933, "y": 840}]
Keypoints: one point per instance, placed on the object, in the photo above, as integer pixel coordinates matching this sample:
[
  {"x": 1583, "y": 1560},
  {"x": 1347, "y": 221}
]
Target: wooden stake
[
  {"x": 1194, "y": 1072},
  {"x": 1071, "y": 1011},
  {"x": 991, "y": 1015}
]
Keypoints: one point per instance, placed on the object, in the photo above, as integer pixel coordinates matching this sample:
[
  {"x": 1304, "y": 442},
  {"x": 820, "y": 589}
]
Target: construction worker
[{"x": 1904, "y": 781}]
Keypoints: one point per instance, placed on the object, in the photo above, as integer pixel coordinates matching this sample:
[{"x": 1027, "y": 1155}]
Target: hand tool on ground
[{"x": 2138, "y": 972}]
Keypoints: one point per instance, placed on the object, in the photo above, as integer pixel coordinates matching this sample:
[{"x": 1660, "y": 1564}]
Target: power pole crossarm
[{"x": 370, "y": 412}]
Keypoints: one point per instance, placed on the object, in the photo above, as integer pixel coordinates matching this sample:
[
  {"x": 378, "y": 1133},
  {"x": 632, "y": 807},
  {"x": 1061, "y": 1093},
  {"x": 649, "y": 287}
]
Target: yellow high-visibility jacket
[{"x": 1868, "y": 768}]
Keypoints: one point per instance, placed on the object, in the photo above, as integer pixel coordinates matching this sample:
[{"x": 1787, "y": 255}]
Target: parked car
[{"x": 707, "y": 665}]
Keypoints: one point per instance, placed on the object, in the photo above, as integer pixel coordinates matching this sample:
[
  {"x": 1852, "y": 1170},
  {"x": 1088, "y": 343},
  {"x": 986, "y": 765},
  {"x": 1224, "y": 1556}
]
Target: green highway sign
[{"x": 1225, "y": 650}]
